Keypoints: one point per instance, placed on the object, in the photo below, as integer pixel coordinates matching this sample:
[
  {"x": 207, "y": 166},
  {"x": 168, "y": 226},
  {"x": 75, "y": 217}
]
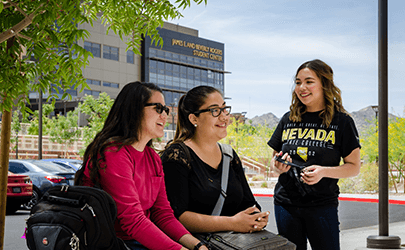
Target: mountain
[
  {"x": 270, "y": 119},
  {"x": 362, "y": 118},
  {"x": 366, "y": 117}
]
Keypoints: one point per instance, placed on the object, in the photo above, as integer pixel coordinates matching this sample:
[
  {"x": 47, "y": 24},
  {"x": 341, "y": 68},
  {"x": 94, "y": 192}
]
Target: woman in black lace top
[{"x": 192, "y": 164}]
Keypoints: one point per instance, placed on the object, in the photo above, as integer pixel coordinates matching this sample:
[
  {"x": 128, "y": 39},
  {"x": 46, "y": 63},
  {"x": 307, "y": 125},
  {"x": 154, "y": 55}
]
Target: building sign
[{"x": 200, "y": 50}]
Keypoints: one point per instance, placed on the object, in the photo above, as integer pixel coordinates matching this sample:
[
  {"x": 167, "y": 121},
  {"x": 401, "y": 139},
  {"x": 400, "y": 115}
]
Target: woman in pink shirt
[{"x": 121, "y": 161}]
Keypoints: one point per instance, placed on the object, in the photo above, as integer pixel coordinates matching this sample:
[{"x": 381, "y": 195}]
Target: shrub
[
  {"x": 366, "y": 181},
  {"x": 258, "y": 178},
  {"x": 264, "y": 184}
]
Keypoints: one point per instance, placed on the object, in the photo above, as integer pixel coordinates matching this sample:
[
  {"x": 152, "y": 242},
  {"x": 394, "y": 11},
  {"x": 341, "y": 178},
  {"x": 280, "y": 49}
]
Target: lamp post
[
  {"x": 78, "y": 99},
  {"x": 40, "y": 125},
  {"x": 383, "y": 240},
  {"x": 375, "y": 108},
  {"x": 173, "y": 104},
  {"x": 16, "y": 145}
]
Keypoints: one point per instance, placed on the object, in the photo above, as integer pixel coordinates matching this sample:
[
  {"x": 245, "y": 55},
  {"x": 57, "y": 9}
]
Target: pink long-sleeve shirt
[{"x": 135, "y": 180}]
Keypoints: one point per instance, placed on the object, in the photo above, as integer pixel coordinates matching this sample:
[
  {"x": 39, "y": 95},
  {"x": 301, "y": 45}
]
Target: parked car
[
  {"x": 19, "y": 191},
  {"x": 72, "y": 163},
  {"x": 43, "y": 176}
]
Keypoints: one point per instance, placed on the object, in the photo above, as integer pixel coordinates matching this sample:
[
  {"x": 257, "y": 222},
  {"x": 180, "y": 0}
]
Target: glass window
[
  {"x": 93, "y": 82},
  {"x": 176, "y": 68},
  {"x": 190, "y": 73},
  {"x": 190, "y": 60},
  {"x": 94, "y": 48},
  {"x": 72, "y": 91},
  {"x": 176, "y": 57},
  {"x": 169, "y": 67},
  {"x": 183, "y": 71},
  {"x": 168, "y": 96},
  {"x": 110, "y": 53},
  {"x": 161, "y": 54},
  {"x": 161, "y": 67},
  {"x": 130, "y": 56},
  {"x": 153, "y": 64},
  {"x": 204, "y": 62},
  {"x": 91, "y": 92},
  {"x": 183, "y": 58},
  {"x": 17, "y": 168},
  {"x": 197, "y": 74},
  {"x": 169, "y": 55},
  {"x": 106, "y": 84},
  {"x": 210, "y": 74},
  {"x": 152, "y": 53},
  {"x": 210, "y": 64},
  {"x": 152, "y": 77}
]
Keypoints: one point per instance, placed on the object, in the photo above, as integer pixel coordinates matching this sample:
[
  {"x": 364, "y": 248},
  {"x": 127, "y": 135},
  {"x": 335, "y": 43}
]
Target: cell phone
[{"x": 278, "y": 158}]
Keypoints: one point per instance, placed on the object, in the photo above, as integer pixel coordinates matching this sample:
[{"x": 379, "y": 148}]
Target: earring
[{"x": 195, "y": 125}]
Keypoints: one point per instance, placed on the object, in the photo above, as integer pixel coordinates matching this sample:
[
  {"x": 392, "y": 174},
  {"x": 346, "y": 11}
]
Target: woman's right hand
[
  {"x": 280, "y": 167},
  {"x": 246, "y": 222}
]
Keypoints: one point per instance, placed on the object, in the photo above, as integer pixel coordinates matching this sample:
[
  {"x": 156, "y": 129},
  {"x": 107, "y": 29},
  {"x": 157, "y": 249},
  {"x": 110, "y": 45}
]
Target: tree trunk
[{"x": 4, "y": 156}]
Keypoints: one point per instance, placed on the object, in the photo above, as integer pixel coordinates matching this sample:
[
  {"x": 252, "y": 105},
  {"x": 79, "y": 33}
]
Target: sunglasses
[
  {"x": 159, "y": 107},
  {"x": 215, "y": 112}
]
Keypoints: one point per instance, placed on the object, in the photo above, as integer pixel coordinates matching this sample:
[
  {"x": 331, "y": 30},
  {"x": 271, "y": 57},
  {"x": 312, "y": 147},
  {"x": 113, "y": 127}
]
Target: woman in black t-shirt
[
  {"x": 192, "y": 164},
  {"x": 315, "y": 135}
]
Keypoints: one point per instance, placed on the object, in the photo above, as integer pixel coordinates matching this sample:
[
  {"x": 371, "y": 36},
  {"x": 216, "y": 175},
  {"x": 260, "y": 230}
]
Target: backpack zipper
[
  {"x": 90, "y": 208},
  {"x": 74, "y": 242}
]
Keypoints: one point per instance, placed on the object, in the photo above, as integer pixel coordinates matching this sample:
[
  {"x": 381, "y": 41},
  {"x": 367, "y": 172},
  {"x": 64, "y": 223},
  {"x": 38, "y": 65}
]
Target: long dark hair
[
  {"x": 189, "y": 104},
  {"x": 331, "y": 93},
  {"x": 122, "y": 127}
]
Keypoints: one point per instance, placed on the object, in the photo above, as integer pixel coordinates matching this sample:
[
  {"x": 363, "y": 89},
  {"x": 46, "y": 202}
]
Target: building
[{"x": 184, "y": 61}]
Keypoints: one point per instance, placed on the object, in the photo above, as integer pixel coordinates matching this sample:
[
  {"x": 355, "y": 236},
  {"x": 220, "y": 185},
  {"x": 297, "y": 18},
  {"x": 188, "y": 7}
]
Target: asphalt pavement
[{"x": 358, "y": 215}]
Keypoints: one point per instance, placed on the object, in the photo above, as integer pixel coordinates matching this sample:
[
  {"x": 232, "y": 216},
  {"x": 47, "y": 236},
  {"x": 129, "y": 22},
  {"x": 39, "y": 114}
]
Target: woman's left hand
[{"x": 312, "y": 174}]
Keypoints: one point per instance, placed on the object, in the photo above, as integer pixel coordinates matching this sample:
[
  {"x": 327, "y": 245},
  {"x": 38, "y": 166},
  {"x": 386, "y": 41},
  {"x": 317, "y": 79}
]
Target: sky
[{"x": 267, "y": 40}]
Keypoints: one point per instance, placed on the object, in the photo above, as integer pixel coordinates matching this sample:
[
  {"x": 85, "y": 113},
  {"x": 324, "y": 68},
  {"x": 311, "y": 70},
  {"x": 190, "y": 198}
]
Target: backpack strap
[{"x": 227, "y": 153}]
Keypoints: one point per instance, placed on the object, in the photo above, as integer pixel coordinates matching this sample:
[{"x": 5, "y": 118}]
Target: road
[{"x": 351, "y": 214}]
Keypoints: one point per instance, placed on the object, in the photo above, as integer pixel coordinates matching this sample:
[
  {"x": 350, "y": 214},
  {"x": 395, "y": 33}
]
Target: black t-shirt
[
  {"x": 308, "y": 143},
  {"x": 197, "y": 187}
]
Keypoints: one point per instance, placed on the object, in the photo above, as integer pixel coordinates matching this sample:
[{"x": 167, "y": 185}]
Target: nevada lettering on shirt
[{"x": 313, "y": 134}]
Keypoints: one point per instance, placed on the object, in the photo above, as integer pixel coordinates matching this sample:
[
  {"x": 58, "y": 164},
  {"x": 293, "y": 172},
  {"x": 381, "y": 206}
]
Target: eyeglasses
[
  {"x": 159, "y": 107},
  {"x": 215, "y": 112}
]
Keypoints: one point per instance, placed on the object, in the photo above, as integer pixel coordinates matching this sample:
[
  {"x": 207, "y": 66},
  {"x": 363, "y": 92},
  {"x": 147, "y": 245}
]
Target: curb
[{"x": 357, "y": 199}]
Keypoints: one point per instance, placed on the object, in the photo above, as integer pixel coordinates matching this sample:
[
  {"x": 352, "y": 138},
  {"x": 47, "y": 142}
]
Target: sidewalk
[{"x": 356, "y": 239}]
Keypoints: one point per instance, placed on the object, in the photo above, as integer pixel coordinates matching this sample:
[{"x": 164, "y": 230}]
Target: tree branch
[
  {"x": 4, "y": 36},
  {"x": 23, "y": 36},
  {"x": 18, "y": 8}
]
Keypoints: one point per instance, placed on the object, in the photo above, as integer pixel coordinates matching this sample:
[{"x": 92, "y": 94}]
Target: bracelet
[{"x": 200, "y": 244}]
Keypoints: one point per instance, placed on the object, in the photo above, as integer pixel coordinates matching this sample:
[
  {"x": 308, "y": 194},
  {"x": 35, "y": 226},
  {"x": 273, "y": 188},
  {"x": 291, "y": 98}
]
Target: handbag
[{"x": 262, "y": 240}]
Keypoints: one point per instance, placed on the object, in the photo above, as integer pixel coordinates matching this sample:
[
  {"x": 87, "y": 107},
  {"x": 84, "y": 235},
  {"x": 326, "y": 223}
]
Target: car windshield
[{"x": 51, "y": 167}]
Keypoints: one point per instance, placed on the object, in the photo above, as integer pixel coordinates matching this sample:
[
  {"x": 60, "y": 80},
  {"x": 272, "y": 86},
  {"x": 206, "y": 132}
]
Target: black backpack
[{"x": 73, "y": 218}]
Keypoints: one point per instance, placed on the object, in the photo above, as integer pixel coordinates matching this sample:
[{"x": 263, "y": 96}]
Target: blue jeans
[
  {"x": 320, "y": 225},
  {"x": 134, "y": 245}
]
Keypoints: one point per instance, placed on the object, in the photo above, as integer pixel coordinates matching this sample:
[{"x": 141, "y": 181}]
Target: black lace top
[{"x": 193, "y": 185}]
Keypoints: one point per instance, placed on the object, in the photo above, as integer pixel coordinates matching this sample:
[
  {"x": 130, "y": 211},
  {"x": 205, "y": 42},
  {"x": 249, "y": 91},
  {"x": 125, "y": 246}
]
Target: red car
[{"x": 19, "y": 191}]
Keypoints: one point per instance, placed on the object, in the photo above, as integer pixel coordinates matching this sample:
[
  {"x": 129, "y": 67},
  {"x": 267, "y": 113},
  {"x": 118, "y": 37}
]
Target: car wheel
[
  {"x": 34, "y": 200},
  {"x": 11, "y": 208}
]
